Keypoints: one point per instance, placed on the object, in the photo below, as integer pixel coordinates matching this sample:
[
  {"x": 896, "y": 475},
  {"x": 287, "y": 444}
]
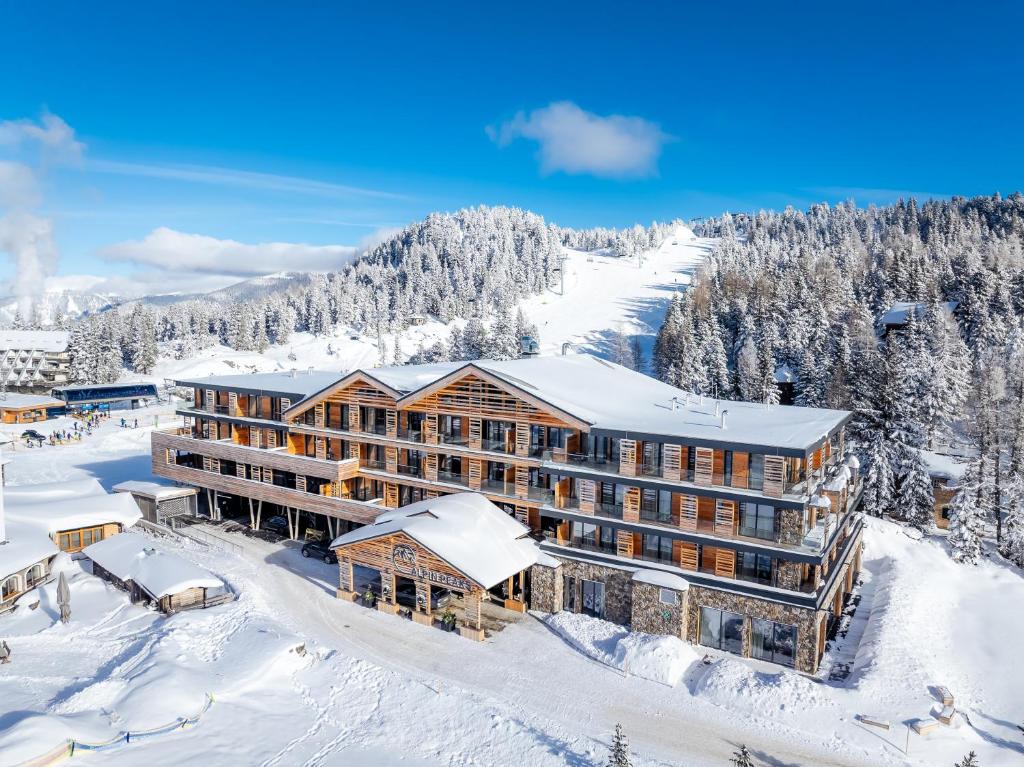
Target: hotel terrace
[{"x": 729, "y": 524}]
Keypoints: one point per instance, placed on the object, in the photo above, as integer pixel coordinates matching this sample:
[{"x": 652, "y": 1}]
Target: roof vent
[
  {"x": 293, "y": 372},
  {"x": 721, "y": 423},
  {"x": 309, "y": 370},
  {"x": 675, "y": 403}
]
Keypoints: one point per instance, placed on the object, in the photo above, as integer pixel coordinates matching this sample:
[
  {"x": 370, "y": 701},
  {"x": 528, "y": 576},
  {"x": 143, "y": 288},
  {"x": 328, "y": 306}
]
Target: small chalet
[
  {"x": 132, "y": 562},
  {"x": 460, "y": 544},
  {"x": 28, "y": 408},
  {"x": 897, "y": 316},
  {"x": 945, "y": 472},
  {"x": 161, "y": 502}
]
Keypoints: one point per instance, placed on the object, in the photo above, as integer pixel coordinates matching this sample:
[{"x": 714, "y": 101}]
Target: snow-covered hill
[
  {"x": 57, "y": 303},
  {"x": 602, "y": 294}
]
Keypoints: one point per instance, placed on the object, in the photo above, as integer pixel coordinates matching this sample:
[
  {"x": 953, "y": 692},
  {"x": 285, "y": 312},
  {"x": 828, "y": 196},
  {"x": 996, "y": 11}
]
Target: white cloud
[
  {"x": 576, "y": 141},
  {"x": 205, "y": 174},
  {"x": 18, "y": 185},
  {"x": 172, "y": 251},
  {"x": 54, "y": 136}
]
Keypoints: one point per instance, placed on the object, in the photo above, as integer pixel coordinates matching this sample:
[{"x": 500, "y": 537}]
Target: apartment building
[
  {"x": 730, "y": 524},
  {"x": 32, "y": 360}
]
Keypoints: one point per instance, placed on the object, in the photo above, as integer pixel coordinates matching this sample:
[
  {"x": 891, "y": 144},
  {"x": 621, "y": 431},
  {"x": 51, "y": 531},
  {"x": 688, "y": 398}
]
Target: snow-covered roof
[
  {"x": 546, "y": 560},
  {"x": 662, "y": 579},
  {"x": 70, "y": 505},
  {"x": 465, "y": 529},
  {"x": 947, "y": 467},
  {"x": 34, "y": 340},
  {"x": 14, "y": 400},
  {"x": 153, "y": 489},
  {"x": 26, "y": 545},
  {"x": 899, "y": 312},
  {"x": 821, "y": 501},
  {"x": 784, "y": 374},
  {"x": 133, "y": 557},
  {"x": 296, "y": 384}
]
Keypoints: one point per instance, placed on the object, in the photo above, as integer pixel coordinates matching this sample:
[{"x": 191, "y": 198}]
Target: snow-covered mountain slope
[
  {"x": 603, "y": 294},
  {"x": 56, "y": 303},
  {"x": 246, "y": 290}
]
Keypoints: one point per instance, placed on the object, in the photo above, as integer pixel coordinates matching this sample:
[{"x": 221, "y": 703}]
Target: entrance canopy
[{"x": 464, "y": 530}]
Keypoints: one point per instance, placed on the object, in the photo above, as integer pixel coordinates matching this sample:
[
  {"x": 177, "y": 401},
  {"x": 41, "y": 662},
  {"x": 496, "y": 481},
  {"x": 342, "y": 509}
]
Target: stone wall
[
  {"x": 789, "y": 575},
  {"x": 546, "y": 588},
  {"x": 791, "y": 525},
  {"x": 805, "y": 621},
  {"x": 652, "y": 616}
]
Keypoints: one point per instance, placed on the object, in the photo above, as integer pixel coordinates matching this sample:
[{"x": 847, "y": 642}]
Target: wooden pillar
[{"x": 423, "y": 597}]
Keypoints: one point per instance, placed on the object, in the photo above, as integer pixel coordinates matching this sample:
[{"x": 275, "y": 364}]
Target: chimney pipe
[{"x": 721, "y": 423}]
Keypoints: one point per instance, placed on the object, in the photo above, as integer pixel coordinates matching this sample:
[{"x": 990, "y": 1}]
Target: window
[
  {"x": 754, "y": 567},
  {"x": 35, "y": 575},
  {"x": 756, "y": 471},
  {"x": 658, "y": 547},
  {"x": 721, "y": 630},
  {"x": 757, "y": 520},
  {"x": 668, "y": 597},
  {"x": 10, "y": 587},
  {"x": 691, "y": 463},
  {"x": 727, "y": 463},
  {"x": 945, "y": 512},
  {"x": 569, "y": 593},
  {"x": 593, "y": 598},
  {"x": 774, "y": 642}
]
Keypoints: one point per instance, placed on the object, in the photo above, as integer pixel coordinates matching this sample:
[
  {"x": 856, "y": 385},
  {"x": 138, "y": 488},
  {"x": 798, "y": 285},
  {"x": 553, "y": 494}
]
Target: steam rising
[{"x": 26, "y": 237}]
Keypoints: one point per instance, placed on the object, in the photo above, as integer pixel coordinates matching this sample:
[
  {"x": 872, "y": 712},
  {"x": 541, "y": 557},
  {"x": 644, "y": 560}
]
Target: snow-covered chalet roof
[
  {"x": 16, "y": 401},
  {"x": 153, "y": 489},
  {"x": 296, "y": 385},
  {"x": 57, "y": 506},
  {"x": 465, "y": 529},
  {"x": 899, "y": 312},
  {"x": 946, "y": 467},
  {"x": 26, "y": 545},
  {"x": 133, "y": 557},
  {"x": 34, "y": 340},
  {"x": 661, "y": 578}
]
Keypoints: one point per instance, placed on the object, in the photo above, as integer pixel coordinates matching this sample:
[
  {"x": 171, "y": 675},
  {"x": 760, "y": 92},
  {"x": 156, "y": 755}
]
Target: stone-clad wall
[
  {"x": 804, "y": 619},
  {"x": 789, "y": 575},
  {"x": 791, "y": 525},
  {"x": 652, "y": 616},
  {"x": 546, "y": 588}
]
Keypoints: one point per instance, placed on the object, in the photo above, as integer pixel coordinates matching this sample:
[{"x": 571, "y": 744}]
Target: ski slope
[{"x": 602, "y": 294}]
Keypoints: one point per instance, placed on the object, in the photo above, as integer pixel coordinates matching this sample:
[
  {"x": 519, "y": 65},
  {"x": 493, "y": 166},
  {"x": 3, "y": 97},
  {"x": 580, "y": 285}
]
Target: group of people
[
  {"x": 63, "y": 436},
  {"x": 124, "y": 424}
]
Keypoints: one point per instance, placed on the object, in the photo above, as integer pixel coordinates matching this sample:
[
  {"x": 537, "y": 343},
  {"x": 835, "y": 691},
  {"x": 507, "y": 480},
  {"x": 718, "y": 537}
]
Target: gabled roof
[
  {"x": 337, "y": 385},
  {"x": 56, "y": 506},
  {"x": 465, "y": 530},
  {"x": 899, "y": 312},
  {"x": 294, "y": 384}
]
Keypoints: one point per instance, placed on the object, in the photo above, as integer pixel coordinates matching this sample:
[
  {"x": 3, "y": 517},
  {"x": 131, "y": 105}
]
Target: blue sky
[{"x": 325, "y": 123}]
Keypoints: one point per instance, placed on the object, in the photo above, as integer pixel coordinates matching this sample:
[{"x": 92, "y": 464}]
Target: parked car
[
  {"x": 320, "y": 551},
  {"x": 405, "y": 594},
  {"x": 31, "y": 434},
  {"x": 276, "y": 524}
]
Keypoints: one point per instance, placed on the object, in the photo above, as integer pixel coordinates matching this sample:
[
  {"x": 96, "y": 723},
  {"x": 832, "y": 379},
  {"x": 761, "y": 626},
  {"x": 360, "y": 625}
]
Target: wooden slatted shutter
[
  {"x": 430, "y": 429},
  {"x": 391, "y": 460},
  {"x": 353, "y": 417},
  {"x": 475, "y": 472},
  {"x": 585, "y": 488},
  {"x": 430, "y": 467},
  {"x": 353, "y": 450},
  {"x": 271, "y": 439},
  {"x": 321, "y": 448},
  {"x": 631, "y": 505},
  {"x": 318, "y": 415},
  {"x": 704, "y": 465},
  {"x": 169, "y": 457},
  {"x": 391, "y": 423},
  {"x": 725, "y": 563},
  {"x": 211, "y": 401},
  {"x": 285, "y": 404},
  {"x": 624, "y": 543},
  {"x": 522, "y": 481},
  {"x": 207, "y": 463},
  {"x": 774, "y": 475},
  {"x": 671, "y": 467},
  {"x": 522, "y": 439},
  {"x": 627, "y": 457},
  {"x": 430, "y": 494},
  {"x": 232, "y": 403},
  {"x": 255, "y": 437},
  {"x": 725, "y": 517},
  {"x": 523, "y": 515},
  {"x": 268, "y": 474},
  {"x": 300, "y": 483},
  {"x": 391, "y": 495},
  {"x": 688, "y": 512},
  {"x": 475, "y": 433},
  {"x": 240, "y": 470},
  {"x": 718, "y": 468},
  {"x": 688, "y": 555}
]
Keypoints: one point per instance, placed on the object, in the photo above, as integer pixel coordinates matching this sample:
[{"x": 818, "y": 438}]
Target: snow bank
[
  {"x": 657, "y": 657},
  {"x": 736, "y": 685},
  {"x": 132, "y": 557}
]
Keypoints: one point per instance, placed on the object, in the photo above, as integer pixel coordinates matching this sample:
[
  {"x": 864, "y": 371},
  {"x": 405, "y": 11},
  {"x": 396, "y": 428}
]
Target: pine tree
[
  {"x": 619, "y": 751},
  {"x": 965, "y": 526},
  {"x": 742, "y": 758},
  {"x": 879, "y": 486},
  {"x": 619, "y": 349},
  {"x": 915, "y": 500},
  {"x": 501, "y": 341},
  {"x": 971, "y": 760}
]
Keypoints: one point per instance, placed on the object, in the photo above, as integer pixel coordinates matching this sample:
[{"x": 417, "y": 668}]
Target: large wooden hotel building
[{"x": 732, "y": 525}]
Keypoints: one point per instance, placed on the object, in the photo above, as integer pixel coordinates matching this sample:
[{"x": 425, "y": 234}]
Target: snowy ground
[
  {"x": 372, "y": 689},
  {"x": 602, "y": 294}
]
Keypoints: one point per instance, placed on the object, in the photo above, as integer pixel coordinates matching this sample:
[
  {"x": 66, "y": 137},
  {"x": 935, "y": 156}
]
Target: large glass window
[
  {"x": 757, "y": 520},
  {"x": 658, "y": 547},
  {"x": 593, "y": 598},
  {"x": 721, "y": 629},
  {"x": 775, "y": 642},
  {"x": 753, "y": 567},
  {"x": 756, "y": 471},
  {"x": 691, "y": 463},
  {"x": 569, "y": 594},
  {"x": 727, "y": 467}
]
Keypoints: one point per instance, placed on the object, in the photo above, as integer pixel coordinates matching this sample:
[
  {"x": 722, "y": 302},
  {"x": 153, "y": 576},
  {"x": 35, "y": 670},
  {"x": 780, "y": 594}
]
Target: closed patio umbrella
[{"x": 64, "y": 598}]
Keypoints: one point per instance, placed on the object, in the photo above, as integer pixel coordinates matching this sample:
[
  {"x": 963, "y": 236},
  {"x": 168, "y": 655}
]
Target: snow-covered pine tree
[
  {"x": 619, "y": 750},
  {"x": 742, "y": 758},
  {"x": 965, "y": 526},
  {"x": 971, "y": 760},
  {"x": 879, "y": 485},
  {"x": 474, "y": 340},
  {"x": 501, "y": 340},
  {"x": 619, "y": 349},
  {"x": 915, "y": 500}
]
